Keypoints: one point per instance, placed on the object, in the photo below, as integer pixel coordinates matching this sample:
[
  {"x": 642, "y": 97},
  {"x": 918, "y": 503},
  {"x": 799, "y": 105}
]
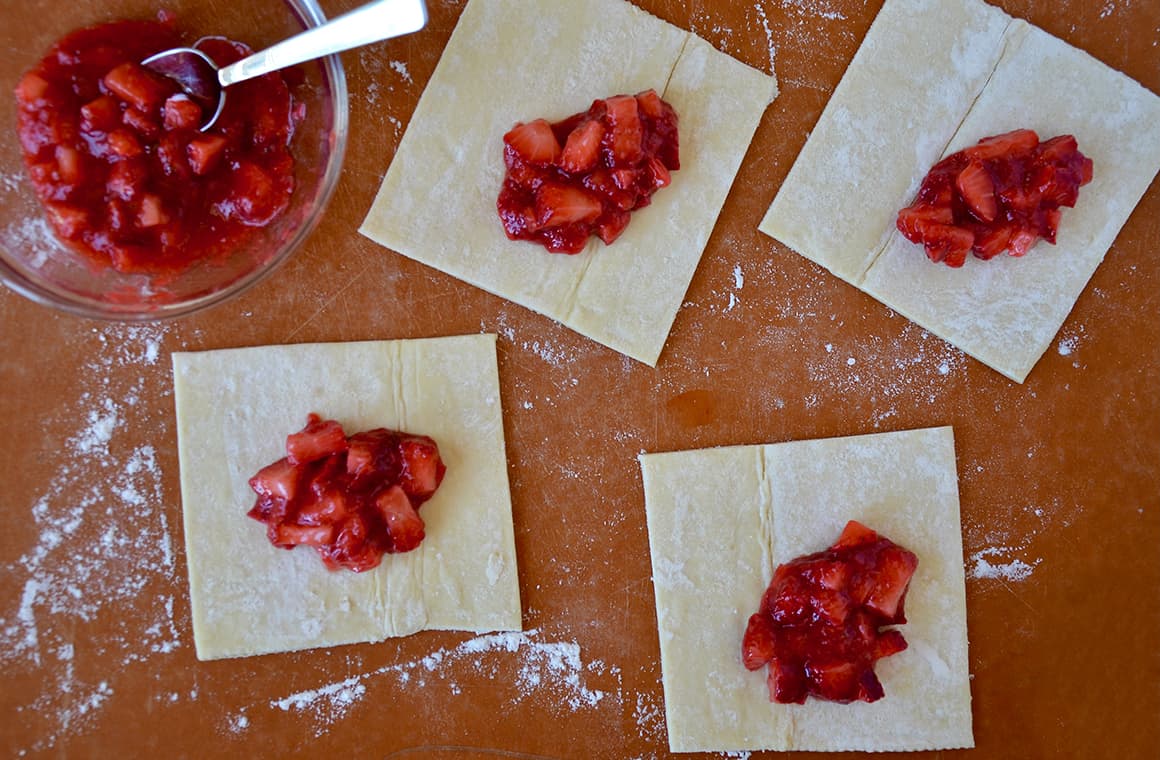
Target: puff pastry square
[
  {"x": 932, "y": 77},
  {"x": 437, "y": 201},
  {"x": 721, "y": 520},
  {"x": 234, "y": 410}
]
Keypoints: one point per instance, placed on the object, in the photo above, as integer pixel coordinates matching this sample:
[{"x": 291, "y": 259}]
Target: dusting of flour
[
  {"x": 103, "y": 543},
  {"x": 997, "y": 552},
  {"x": 998, "y": 562},
  {"x": 555, "y": 668}
]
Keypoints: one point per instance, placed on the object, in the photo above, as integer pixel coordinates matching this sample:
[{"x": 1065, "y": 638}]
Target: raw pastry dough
[
  {"x": 932, "y": 77},
  {"x": 234, "y": 410},
  {"x": 437, "y": 201},
  {"x": 720, "y": 521}
]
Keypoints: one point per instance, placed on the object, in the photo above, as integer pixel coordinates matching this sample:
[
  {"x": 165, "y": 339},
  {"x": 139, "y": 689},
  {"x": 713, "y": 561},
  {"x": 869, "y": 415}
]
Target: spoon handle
[{"x": 379, "y": 20}]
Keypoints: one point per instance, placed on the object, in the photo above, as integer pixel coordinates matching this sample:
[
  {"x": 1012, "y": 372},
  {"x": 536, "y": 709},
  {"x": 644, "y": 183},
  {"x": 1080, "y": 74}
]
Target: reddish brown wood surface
[{"x": 1060, "y": 474}]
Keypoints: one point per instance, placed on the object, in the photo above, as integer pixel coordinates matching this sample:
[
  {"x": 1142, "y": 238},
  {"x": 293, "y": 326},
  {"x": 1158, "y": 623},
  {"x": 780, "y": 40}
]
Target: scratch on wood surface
[
  {"x": 326, "y": 304},
  {"x": 626, "y": 604},
  {"x": 1017, "y": 596}
]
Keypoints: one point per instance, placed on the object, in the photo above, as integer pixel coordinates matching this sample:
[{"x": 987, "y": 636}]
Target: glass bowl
[{"x": 36, "y": 265}]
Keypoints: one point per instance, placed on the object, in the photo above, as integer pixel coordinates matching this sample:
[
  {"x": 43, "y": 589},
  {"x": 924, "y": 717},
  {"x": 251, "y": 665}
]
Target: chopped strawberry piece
[
  {"x": 978, "y": 190},
  {"x": 1056, "y": 186},
  {"x": 999, "y": 195},
  {"x": 68, "y": 165},
  {"x": 650, "y": 104},
  {"x": 320, "y": 438},
  {"x": 353, "y": 547},
  {"x": 361, "y": 454},
  {"x": 558, "y": 205},
  {"x": 31, "y": 89},
  {"x": 1057, "y": 149},
  {"x": 570, "y": 238},
  {"x": 869, "y": 687},
  {"x": 993, "y": 242},
  {"x": 625, "y": 179},
  {"x": 181, "y": 113},
  {"x": 1022, "y": 200},
  {"x": 329, "y": 507},
  {"x": 660, "y": 173},
  {"x": 582, "y": 150},
  {"x": 1086, "y": 169},
  {"x": 855, "y": 534},
  {"x": 615, "y": 156},
  {"x": 255, "y": 195},
  {"x": 404, "y": 525},
  {"x": 888, "y": 643},
  {"x": 787, "y": 682},
  {"x": 626, "y": 134},
  {"x": 601, "y": 183},
  {"x": 757, "y": 647},
  {"x": 375, "y": 454},
  {"x": 818, "y": 626},
  {"x": 278, "y": 480},
  {"x": 268, "y": 129},
  {"x": 948, "y": 244},
  {"x": 534, "y": 142},
  {"x": 122, "y": 143},
  {"x": 836, "y": 680},
  {"x": 205, "y": 153},
  {"x": 1021, "y": 242},
  {"x": 351, "y": 498},
  {"x": 101, "y": 114},
  {"x": 829, "y": 574},
  {"x": 422, "y": 468},
  {"x": 832, "y": 604},
  {"x": 127, "y": 179},
  {"x": 1049, "y": 224},
  {"x": 151, "y": 212},
  {"x": 517, "y": 212},
  {"x": 144, "y": 124},
  {"x": 913, "y": 221},
  {"x": 289, "y": 535},
  {"x": 139, "y": 86},
  {"x": 1017, "y": 141},
  {"x": 891, "y": 580},
  {"x": 611, "y": 225}
]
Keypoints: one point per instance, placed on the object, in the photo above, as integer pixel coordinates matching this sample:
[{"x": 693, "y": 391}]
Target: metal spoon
[{"x": 206, "y": 84}]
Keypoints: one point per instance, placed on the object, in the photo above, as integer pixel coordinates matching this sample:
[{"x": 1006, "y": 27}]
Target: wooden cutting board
[{"x": 1059, "y": 477}]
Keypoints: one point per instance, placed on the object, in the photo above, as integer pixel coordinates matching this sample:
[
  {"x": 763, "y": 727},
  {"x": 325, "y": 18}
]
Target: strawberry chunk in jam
[
  {"x": 1001, "y": 194},
  {"x": 116, "y": 157},
  {"x": 584, "y": 175},
  {"x": 818, "y": 627},
  {"x": 351, "y": 498}
]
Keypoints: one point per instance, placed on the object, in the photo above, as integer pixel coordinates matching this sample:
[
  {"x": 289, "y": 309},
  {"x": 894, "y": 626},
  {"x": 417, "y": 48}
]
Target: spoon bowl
[
  {"x": 196, "y": 74},
  {"x": 201, "y": 79}
]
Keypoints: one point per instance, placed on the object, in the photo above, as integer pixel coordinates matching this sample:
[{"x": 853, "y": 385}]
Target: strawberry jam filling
[
  {"x": 1001, "y": 194},
  {"x": 584, "y": 175},
  {"x": 116, "y": 157},
  {"x": 818, "y": 627},
  {"x": 352, "y": 498}
]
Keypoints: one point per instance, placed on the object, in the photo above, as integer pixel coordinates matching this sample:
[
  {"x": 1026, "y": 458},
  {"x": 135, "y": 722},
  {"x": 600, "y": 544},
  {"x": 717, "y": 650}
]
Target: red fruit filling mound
[
  {"x": 1001, "y": 194},
  {"x": 584, "y": 175},
  {"x": 818, "y": 625},
  {"x": 116, "y": 157},
  {"x": 353, "y": 498}
]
